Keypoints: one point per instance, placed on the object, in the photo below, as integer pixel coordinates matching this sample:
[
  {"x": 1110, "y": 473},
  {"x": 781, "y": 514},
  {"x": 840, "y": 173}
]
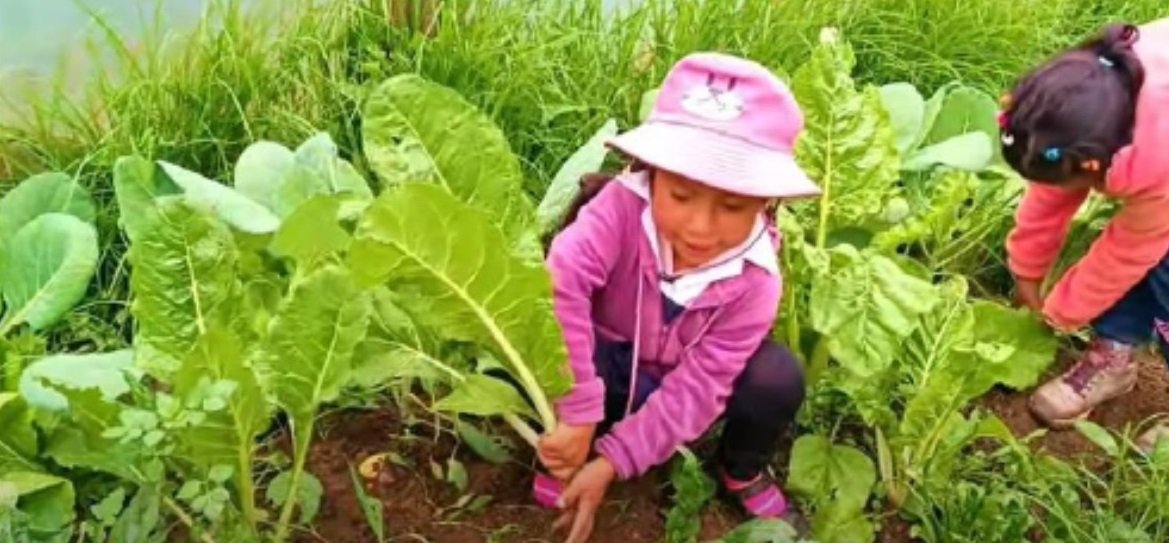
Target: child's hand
[
  {"x": 1028, "y": 292},
  {"x": 566, "y": 449},
  {"x": 583, "y": 498}
]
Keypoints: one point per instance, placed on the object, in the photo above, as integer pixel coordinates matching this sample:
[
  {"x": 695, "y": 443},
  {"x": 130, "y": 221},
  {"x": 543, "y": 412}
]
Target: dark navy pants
[
  {"x": 1140, "y": 314},
  {"x": 762, "y": 406}
]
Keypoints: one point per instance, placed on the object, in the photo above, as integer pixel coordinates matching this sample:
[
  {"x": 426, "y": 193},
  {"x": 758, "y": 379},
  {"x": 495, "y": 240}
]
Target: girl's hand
[
  {"x": 583, "y": 498},
  {"x": 566, "y": 449},
  {"x": 1028, "y": 292}
]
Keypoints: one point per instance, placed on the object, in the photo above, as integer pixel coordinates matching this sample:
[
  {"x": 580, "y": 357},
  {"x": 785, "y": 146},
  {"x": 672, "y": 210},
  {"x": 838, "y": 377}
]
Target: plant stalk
[
  {"x": 818, "y": 364},
  {"x": 247, "y": 492},
  {"x": 303, "y": 435},
  {"x": 185, "y": 519}
]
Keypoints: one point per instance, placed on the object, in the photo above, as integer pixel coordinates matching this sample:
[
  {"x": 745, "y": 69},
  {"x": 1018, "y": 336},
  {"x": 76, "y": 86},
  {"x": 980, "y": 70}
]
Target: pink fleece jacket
[
  {"x": 598, "y": 264},
  {"x": 1137, "y": 238}
]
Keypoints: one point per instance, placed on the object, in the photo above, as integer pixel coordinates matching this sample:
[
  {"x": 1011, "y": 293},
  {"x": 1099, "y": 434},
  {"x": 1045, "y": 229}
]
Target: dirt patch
[
  {"x": 1149, "y": 398},
  {"x": 420, "y": 507}
]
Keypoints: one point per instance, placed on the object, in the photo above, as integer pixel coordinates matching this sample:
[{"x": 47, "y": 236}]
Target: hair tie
[
  {"x": 1090, "y": 165},
  {"x": 1052, "y": 154},
  {"x": 1129, "y": 35},
  {"x": 1004, "y": 120}
]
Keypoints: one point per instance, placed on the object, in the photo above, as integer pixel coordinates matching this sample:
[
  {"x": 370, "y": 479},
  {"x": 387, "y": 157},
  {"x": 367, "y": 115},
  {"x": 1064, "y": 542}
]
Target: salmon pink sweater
[{"x": 1136, "y": 239}]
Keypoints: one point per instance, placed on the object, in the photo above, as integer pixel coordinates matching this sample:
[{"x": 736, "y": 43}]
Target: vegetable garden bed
[{"x": 307, "y": 286}]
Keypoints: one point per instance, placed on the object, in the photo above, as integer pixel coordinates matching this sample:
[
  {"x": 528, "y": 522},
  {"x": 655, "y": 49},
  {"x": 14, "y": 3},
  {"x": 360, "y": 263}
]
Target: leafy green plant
[
  {"x": 954, "y": 128},
  {"x": 762, "y": 531},
  {"x": 693, "y": 489},
  {"x": 48, "y": 254},
  {"x": 903, "y": 351},
  {"x": 371, "y": 508}
]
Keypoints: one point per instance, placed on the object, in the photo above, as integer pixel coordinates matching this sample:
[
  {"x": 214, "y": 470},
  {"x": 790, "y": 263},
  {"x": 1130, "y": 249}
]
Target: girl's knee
[{"x": 773, "y": 375}]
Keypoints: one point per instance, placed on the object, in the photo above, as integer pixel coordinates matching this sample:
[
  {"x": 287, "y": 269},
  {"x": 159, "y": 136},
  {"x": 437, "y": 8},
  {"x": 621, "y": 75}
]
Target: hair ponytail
[
  {"x": 1115, "y": 46},
  {"x": 1072, "y": 114}
]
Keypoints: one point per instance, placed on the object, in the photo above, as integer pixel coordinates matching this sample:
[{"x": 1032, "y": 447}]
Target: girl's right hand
[
  {"x": 565, "y": 449},
  {"x": 1029, "y": 293}
]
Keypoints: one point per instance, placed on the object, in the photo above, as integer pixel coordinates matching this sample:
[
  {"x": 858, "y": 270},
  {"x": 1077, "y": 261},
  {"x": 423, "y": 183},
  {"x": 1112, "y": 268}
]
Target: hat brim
[{"x": 717, "y": 160}]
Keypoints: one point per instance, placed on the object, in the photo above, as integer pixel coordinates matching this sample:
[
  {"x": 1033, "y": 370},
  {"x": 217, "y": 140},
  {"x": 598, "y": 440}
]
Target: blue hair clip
[{"x": 1052, "y": 154}]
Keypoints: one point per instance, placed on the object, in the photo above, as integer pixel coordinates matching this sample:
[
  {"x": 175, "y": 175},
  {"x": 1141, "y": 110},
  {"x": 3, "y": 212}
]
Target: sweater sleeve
[
  {"x": 580, "y": 260},
  {"x": 1041, "y": 225},
  {"x": 695, "y": 393},
  {"x": 1134, "y": 241}
]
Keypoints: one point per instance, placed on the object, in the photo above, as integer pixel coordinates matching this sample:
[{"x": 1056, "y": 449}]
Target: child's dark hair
[{"x": 1071, "y": 115}]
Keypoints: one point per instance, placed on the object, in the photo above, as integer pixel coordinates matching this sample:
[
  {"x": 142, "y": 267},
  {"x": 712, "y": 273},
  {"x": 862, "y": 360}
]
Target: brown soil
[
  {"x": 1149, "y": 398},
  {"x": 420, "y": 507}
]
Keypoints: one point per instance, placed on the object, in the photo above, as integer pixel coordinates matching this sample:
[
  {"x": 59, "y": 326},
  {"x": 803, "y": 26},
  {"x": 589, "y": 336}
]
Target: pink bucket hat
[{"x": 726, "y": 122}]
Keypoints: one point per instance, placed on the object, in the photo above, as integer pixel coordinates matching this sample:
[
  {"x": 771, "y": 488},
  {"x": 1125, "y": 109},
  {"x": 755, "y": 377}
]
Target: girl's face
[{"x": 700, "y": 222}]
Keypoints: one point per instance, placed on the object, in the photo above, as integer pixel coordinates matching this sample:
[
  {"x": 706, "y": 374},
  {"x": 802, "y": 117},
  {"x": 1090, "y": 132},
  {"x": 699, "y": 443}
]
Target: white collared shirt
[{"x": 757, "y": 249}]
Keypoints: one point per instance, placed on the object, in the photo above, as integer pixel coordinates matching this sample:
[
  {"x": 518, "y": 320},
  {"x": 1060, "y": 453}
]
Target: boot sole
[{"x": 1068, "y": 423}]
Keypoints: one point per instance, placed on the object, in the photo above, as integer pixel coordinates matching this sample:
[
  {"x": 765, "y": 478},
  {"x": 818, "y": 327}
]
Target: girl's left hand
[{"x": 583, "y": 498}]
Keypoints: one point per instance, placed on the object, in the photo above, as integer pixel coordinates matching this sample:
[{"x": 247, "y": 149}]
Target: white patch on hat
[{"x": 713, "y": 103}]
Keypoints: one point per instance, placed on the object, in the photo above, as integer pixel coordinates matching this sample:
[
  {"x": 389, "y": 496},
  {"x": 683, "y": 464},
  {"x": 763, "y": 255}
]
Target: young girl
[
  {"x": 1096, "y": 117},
  {"x": 666, "y": 286}
]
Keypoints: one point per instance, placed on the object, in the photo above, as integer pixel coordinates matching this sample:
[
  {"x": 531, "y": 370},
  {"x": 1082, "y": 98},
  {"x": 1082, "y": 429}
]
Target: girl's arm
[
  {"x": 580, "y": 260},
  {"x": 1134, "y": 242},
  {"x": 1041, "y": 224},
  {"x": 695, "y": 393}
]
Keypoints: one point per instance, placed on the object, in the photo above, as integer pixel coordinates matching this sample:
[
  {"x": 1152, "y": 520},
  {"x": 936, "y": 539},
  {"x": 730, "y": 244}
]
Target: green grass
[{"x": 550, "y": 72}]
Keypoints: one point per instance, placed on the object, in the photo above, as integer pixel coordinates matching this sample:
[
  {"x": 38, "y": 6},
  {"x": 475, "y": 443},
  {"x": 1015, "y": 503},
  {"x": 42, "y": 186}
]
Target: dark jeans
[
  {"x": 1141, "y": 312},
  {"x": 763, "y": 404}
]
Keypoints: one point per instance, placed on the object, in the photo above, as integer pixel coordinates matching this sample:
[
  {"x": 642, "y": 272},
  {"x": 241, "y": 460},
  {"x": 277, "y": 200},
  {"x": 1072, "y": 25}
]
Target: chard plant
[
  {"x": 274, "y": 294},
  {"x": 887, "y": 342}
]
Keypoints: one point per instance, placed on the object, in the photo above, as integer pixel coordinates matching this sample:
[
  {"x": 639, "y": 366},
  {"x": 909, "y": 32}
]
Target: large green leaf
[
  {"x": 973, "y": 152},
  {"x": 183, "y": 276},
  {"x": 906, "y": 109},
  {"x": 828, "y": 473},
  {"x": 460, "y": 280},
  {"x": 397, "y": 348},
  {"x": 310, "y": 348},
  {"x": 227, "y": 436},
  {"x": 106, "y": 372},
  {"x": 78, "y": 441},
  {"x": 312, "y": 231},
  {"x": 222, "y": 201},
  {"x": 18, "y": 441},
  {"x": 565, "y": 185},
  {"x": 139, "y": 521},
  {"x": 282, "y": 180},
  {"x": 484, "y": 396},
  {"x": 415, "y": 130},
  {"x": 137, "y": 183},
  {"x": 939, "y": 359},
  {"x": 1023, "y": 346},
  {"x": 964, "y": 109},
  {"x": 866, "y": 307},
  {"x": 848, "y": 146},
  {"x": 839, "y": 523},
  {"x": 761, "y": 531},
  {"x": 318, "y": 156},
  {"x": 51, "y": 192},
  {"x": 47, "y": 499},
  {"x": 262, "y": 172},
  {"x": 46, "y": 270}
]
